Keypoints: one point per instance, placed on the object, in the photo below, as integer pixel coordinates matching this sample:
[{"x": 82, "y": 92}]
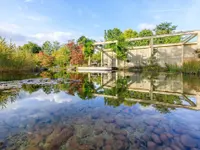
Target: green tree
[
  {"x": 31, "y": 47},
  {"x": 62, "y": 56},
  {"x": 31, "y": 87},
  {"x": 87, "y": 90},
  {"x": 14, "y": 58},
  {"x": 81, "y": 40},
  {"x": 96, "y": 57},
  {"x": 47, "y": 47},
  {"x": 112, "y": 34},
  {"x": 87, "y": 44},
  {"x": 144, "y": 33},
  {"x": 129, "y": 33},
  {"x": 56, "y": 45},
  {"x": 165, "y": 28},
  {"x": 121, "y": 47}
]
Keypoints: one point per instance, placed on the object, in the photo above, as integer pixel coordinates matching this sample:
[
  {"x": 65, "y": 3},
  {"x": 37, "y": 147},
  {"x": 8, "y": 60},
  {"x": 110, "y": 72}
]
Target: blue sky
[{"x": 40, "y": 20}]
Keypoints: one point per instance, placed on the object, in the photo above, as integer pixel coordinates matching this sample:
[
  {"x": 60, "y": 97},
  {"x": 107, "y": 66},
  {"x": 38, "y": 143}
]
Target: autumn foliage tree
[
  {"x": 76, "y": 53},
  {"x": 44, "y": 60}
]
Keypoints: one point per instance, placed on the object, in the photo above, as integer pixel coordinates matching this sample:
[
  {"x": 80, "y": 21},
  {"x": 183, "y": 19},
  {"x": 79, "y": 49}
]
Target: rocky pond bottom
[{"x": 58, "y": 121}]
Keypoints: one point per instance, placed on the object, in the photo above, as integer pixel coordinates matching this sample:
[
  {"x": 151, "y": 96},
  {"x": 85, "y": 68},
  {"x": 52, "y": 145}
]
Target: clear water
[{"x": 112, "y": 111}]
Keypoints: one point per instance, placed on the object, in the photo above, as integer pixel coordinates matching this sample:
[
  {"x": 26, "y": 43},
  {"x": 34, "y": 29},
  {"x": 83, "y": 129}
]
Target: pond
[{"x": 101, "y": 111}]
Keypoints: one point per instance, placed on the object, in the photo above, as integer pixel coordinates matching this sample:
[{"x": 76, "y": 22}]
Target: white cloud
[
  {"x": 97, "y": 38},
  {"x": 146, "y": 26},
  {"x": 62, "y": 37},
  {"x": 36, "y": 17},
  {"x": 60, "y": 97},
  {"x": 15, "y": 33},
  {"x": 9, "y": 27},
  {"x": 16, "y": 38},
  {"x": 40, "y": 95}
]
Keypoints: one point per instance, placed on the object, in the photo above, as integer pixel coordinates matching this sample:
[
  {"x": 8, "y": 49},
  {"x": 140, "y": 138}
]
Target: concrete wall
[
  {"x": 164, "y": 55},
  {"x": 136, "y": 82}
]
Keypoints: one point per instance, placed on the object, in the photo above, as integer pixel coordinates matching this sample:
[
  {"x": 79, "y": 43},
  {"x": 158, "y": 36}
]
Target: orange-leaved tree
[
  {"x": 76, "y": 53},
  {"x": 44, "y": 60}
]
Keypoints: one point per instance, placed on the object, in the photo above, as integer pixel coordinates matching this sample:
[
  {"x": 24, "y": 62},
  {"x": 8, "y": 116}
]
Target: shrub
[
  {"x": 12, "y": 58},
  {"x": 173, "y": 68},
  {"x": 192, "y": 67}
]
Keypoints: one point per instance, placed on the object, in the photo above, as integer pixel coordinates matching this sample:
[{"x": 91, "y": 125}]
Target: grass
[
  {"x": 173, "y": 68},
  {"x": 190, "y": 67}
]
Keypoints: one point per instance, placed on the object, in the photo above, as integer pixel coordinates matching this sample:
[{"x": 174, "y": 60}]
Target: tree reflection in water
[{"x": 85, "y": 87}]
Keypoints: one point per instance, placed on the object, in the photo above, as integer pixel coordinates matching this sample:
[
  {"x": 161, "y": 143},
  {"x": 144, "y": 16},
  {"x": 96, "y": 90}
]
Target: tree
[
  {"x": 56, "y": 45},
  {"x": 96, "y": 57},
  {"x": 144, "y": 33},
  {"x": 31, "y": 47},
  {"x": 112, "y": 34},
  {"x": 120, "y": 48},
  {"x": 14, "y": 58},
  {"x": 87, "y": 90},
  {"x": 76, "y": 53},
  {"x": 87, "y": 45},
  {"x": 129, "y": 33},
  {"x": 62, "y": 56},
  {"x": 81, "y": 40},
  {"x": 47, "y": 47},
  {"x": 165, "y": 28},
  {"x": 44, "y": 60}
]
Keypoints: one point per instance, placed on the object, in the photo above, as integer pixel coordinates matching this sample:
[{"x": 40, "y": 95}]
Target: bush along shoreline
[{"x": 189, "y": 67}]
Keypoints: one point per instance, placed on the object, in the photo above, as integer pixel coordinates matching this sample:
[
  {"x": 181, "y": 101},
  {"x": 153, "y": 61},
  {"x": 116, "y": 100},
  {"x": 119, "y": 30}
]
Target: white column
[
  {"x": 198, "y": 40},
  {"x": 101, "y": 58},
  {"x": 198, "y": 100},
  {"x": 182, "y": 58}
]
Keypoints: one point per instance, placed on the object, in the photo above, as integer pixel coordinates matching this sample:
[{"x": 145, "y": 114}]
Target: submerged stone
[
  {"x": 188, "y": 141},
  {"x": 156, "y": 138},
  {"x": 151, "y": 145}
]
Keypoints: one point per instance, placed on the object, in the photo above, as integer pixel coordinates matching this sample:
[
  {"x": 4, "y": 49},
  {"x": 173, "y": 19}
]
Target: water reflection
[{"x": 100, "y": 111}]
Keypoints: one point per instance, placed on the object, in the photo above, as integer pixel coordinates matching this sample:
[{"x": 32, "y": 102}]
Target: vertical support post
[
  {"x": 116, "y": 83},
  {"x": 112, "y": 60},
  {"x": 116, "y": 62},
  {"x": 151, "y": 90},
  {"x": 89, "y": 77},
  {"x": 101, "y": 79},
  {"x": 198, "y": 40},
  {"x": 182, "y": 87},
  {"x": 151, "y": 51},
  {"x": 182, "y": 57},
  {"x": 198, "y": 100},
  {"x": 101, "y": 58},
  {"x": 89, "y": 61},
  {"x": 151, "y": 47}
]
